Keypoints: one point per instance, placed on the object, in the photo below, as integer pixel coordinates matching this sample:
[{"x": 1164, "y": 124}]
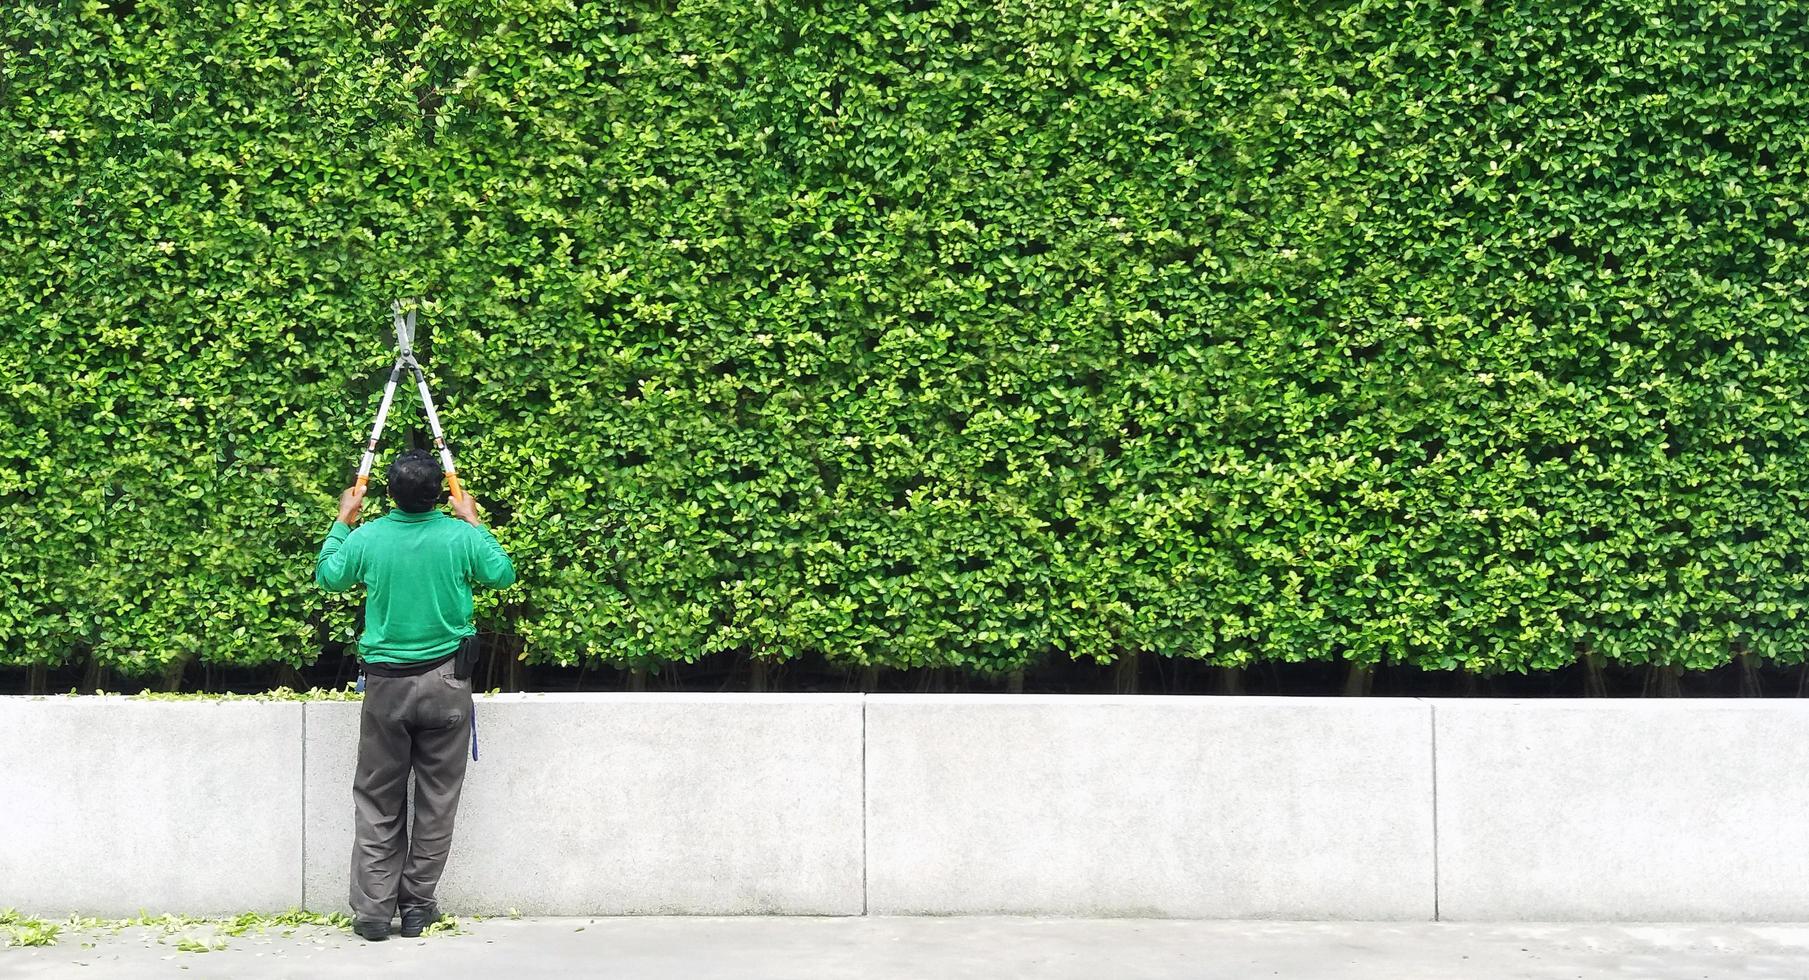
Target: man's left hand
[
  {"x": 349, "y": 502},
  {"x": 465, "y": 509}
]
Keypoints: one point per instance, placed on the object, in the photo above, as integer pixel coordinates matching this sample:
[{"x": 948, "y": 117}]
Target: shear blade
[{"x": 405, "y": 329}]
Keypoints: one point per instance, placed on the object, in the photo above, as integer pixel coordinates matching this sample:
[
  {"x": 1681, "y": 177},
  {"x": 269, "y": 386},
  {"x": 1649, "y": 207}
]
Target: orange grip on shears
[{"x": 452, "y": 482}]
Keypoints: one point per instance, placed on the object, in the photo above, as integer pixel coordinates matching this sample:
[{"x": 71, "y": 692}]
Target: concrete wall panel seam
[
  {"x": 1432, "y": 755},
  {"x": 864, "y": 858},
  {"x": 301, "y": 819}
]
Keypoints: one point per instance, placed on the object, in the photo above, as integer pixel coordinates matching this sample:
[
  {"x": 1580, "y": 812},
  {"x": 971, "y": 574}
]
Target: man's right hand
[
  {"x": 349, "y": 502},
  {"x": 464, "y": 507}
]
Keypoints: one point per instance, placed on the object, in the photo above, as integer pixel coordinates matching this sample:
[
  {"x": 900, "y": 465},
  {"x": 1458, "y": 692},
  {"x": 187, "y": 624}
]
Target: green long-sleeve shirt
[{"x": 418, "y": 571}]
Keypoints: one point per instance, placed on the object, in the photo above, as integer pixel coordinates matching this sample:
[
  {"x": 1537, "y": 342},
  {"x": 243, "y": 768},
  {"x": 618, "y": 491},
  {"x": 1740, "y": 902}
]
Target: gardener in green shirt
[{"x": 418, "y": 566}]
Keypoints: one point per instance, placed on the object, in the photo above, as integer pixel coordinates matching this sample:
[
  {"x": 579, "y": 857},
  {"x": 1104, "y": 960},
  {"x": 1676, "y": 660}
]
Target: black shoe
[
  {"x": 371, "y": 929},
  {"x": 415, "y": 920}
]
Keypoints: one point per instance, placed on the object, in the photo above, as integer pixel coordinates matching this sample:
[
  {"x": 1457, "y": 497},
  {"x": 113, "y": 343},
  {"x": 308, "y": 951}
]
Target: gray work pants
[{"x": 421, "y": 723}]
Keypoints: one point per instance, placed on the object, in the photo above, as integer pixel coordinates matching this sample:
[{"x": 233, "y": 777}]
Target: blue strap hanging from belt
[{"x": 474, "y": 731}]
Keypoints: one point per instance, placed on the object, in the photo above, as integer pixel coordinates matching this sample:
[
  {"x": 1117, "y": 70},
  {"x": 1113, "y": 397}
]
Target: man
[{"x": 418, "y": 566}]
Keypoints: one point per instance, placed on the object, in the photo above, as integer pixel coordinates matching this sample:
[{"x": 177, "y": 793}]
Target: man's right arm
[{"x": 337, "y": 567}]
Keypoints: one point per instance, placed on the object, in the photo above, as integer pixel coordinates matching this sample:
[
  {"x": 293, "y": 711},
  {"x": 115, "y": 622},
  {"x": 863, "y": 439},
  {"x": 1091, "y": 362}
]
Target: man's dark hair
[{"x": 414, "y": 481}]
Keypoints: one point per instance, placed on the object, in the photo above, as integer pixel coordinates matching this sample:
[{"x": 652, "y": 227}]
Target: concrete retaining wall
[
  {"x": 832, "y": 804},
  {"x": 1625, "y": 810},
  {"x": 577, "y": 803},
  {"x": 1168, "y": 806},
  {"x": 110, "y": 806}
]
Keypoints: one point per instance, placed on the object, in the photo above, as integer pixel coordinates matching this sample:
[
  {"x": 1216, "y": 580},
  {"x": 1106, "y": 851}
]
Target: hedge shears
[{"x": 405, "y": 358}]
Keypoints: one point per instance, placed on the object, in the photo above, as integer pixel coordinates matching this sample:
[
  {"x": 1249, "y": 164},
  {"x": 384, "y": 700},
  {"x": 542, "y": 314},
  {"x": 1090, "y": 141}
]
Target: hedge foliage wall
[{"x": 935, "y": 332}]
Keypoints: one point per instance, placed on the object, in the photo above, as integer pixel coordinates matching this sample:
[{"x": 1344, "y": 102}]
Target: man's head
[{"x": 414, "y": 481}]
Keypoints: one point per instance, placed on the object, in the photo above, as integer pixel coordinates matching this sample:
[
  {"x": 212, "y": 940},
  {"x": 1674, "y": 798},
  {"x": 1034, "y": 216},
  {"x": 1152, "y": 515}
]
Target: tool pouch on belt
[{"x": 464, "y": 662}]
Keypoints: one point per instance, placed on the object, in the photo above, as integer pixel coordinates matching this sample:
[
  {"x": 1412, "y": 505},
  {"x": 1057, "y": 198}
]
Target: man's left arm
[{"x": 489, "y": 564}]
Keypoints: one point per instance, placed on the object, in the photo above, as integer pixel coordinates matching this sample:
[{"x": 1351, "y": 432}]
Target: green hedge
[{"x": 943, "y": 332}]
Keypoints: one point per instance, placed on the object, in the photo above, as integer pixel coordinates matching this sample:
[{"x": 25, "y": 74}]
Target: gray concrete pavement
[{"x": 884, "y": 948}]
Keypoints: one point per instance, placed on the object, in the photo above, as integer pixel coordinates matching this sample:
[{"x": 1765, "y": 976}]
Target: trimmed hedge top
[{"x": 941, "y": 333}]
